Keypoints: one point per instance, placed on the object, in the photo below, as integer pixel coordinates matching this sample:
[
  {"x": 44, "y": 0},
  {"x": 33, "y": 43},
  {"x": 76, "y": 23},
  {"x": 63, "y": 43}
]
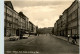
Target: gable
[{"x": 9, "y": 4}]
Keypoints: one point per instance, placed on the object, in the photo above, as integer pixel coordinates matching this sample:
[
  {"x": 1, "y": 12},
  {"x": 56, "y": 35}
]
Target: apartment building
[
  {"x": 73, "y": 18},
  {"x": 13, "y": 20},
  {"x": 69, "y": 22}
]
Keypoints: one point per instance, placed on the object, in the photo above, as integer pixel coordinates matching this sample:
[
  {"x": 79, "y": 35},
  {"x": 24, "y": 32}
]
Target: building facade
[
  {"x": 55, "y": 28},
  {"x": 8, "y": 18},
  {"x": 73, "y": 18},
  {"x": 79, "y": 17},
  {"x": 59, "y": 25},
  {"x": 68, "y": 23},
  {"x": 64, "y": 23},
  {"x": 32, "y": 28},
  {"x": 27, "y": 22},
  {"x": 13, "y": 20}
]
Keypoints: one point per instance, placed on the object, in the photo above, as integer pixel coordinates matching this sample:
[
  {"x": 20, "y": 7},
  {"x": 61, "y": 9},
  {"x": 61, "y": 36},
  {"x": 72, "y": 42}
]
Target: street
[{"x": 43, "y": 45}]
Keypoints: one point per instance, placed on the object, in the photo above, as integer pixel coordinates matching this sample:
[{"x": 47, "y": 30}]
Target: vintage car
[
  {"x": 25, "y": 36},
  {"x": 13, "y": 38}
]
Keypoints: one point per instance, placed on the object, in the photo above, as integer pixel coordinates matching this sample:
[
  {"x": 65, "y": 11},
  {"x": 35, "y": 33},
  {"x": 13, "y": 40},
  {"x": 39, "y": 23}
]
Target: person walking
[
  {"x": 75, "y": 37},
  {"x": 74, "y": 41}
]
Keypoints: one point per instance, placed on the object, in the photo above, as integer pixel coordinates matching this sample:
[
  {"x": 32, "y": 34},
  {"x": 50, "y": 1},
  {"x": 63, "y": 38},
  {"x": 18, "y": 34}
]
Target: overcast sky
[{"x": 42, "y": 13}]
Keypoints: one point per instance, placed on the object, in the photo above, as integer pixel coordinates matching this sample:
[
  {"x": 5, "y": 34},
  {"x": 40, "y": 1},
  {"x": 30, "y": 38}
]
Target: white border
[{"x": 1, "y": 26}]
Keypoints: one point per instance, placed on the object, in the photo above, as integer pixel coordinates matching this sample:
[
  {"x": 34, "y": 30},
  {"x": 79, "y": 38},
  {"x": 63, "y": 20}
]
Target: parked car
[
  {"x": 25, "y": 36},
  {"x": 13, "y": 38}
]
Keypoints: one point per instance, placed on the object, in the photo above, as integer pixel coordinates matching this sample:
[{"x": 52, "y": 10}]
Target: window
[
  {"x": 9, "y": 18},
  {"x": 9, "y": 11}
]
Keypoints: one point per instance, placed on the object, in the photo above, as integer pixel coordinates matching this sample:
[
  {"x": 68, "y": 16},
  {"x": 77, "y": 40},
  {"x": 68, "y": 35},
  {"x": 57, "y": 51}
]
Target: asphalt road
[{"x": 41, "y": 45}]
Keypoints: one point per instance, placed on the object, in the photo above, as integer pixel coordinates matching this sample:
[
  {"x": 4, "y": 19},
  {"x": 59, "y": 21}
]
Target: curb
[{"x": 65, "y": 40}]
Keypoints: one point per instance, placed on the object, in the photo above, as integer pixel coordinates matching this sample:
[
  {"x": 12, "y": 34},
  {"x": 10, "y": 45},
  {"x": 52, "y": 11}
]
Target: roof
[{"x": 9, "y": 4}]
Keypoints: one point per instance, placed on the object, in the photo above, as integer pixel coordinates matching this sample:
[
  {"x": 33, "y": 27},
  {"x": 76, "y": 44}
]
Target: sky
[{"x": 42, "y": 13}]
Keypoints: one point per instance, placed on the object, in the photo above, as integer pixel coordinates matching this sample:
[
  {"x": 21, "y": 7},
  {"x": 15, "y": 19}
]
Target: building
[
  {"x": 14, "y": 20},
  {"x": 69, "y": 22},
  {"x": 59, "y": 25},
  {"x": 64, "y": 23},
  {"x": 55, "y": 28},
  {"x": 32, "y": 28},
  {"x": 15, "y": 23},
  {"x": 24, "y": 22},
  {"x": 73, "y": 25},
  {"x": 37, "y": 29},
  {"x": 27, "y": 22},
  {"x": 10, "y": 19},
  {"x": 79, "y": 18}
]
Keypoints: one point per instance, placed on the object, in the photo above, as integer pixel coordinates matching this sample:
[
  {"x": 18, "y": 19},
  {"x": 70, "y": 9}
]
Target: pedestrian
[
  {"x": 21, "y": 34},
  {"x": 68, "y": 37},
  {"x": 74, "y": 41},
  {"x": 75, "y": 37}
]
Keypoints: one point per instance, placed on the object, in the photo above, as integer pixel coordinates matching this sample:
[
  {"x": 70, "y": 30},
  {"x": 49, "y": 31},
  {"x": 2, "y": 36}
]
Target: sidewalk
[
  {"x": 7, "y": 38},
  {"x": 66, "y": 39}
]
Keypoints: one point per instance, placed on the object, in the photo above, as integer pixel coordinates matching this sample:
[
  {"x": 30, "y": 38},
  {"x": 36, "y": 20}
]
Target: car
[
  {"x": 13, "y": 38},
  {"x": 25, "y": 36}
]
